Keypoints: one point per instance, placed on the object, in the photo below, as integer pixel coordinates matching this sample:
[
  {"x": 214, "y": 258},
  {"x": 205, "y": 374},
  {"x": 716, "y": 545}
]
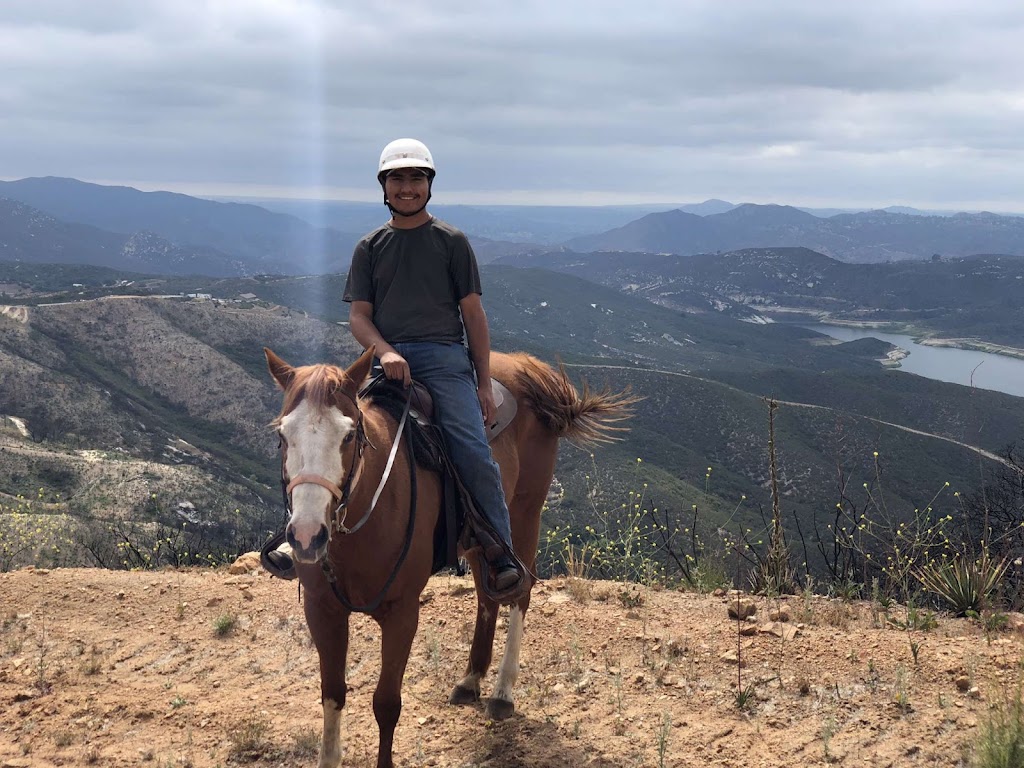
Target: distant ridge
[
  {"x": 871, "y": 236},
  {"x": 31, "y": 236},
  {"x": 262, "y": 240}
]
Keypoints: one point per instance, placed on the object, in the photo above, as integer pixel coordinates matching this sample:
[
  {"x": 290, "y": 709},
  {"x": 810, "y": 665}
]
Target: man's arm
[
  {"x": 360, "y": 322},
  {"x": 478, "y": 336}
]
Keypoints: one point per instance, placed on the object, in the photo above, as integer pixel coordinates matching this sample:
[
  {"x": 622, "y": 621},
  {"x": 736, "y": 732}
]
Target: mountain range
[
  {"x": 232, "y": 238},
  {"x": 48, "y": 220},
  {"x": 873, "y": 236}
]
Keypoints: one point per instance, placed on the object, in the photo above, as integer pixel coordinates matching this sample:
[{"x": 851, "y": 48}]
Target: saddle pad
[{"x": 507, "y": 407}]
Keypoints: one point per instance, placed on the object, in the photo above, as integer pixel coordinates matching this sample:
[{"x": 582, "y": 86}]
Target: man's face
[{"x": 407, "y": 189}]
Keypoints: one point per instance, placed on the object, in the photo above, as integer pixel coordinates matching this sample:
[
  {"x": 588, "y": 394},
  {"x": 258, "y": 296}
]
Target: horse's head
[{"x": 320, "y": 426}]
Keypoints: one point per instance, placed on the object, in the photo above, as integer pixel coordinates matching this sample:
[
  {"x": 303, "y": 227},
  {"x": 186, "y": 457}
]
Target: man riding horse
[{"x": 414, "y": 290}]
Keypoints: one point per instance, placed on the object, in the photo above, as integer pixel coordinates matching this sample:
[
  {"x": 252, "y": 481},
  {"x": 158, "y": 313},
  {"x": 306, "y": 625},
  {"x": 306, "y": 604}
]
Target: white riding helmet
[{"x": 405, "y": 153}]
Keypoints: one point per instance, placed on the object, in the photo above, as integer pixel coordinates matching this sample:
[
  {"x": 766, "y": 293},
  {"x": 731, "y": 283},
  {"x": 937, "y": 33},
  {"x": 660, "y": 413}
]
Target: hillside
[
  {"x": 125, "y": 669},
  {"x": 971, "y": 296},
  {"x": 142, "y": 375},
  {"x": 252, "y": 238},
  {"x": 31, "y": 236}
]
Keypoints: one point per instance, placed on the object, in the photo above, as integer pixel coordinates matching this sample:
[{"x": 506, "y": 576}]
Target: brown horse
[{"x": 335, "y": 447}]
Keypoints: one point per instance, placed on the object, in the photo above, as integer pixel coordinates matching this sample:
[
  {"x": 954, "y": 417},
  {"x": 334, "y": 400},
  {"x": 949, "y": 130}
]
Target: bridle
[
  {"x": 338, "y": 515},
  {"x": 342, "y": 494}
]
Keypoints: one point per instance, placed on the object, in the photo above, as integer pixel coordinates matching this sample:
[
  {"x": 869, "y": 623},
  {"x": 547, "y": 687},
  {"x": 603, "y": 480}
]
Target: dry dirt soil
[{"x": 111, "y": 668}]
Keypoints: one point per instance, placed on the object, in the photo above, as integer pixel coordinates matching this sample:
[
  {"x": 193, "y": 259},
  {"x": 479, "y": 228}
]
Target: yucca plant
[{"x": 963, "y": 583}]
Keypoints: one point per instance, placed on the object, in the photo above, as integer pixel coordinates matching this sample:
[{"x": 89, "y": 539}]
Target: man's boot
[{"x": 277, "y": 562}]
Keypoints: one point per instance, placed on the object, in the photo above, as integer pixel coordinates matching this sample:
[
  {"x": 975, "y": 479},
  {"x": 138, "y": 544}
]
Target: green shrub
[{"x": 1000, "y": 742}]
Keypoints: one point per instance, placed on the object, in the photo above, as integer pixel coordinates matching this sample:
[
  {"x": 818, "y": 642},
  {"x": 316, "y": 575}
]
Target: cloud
[{"x": 585, "y": 100}]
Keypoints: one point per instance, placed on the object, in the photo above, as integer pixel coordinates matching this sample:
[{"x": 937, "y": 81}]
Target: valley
[
  {"x": 159, "y": 367},
  {"x": 143, "y": 375}
]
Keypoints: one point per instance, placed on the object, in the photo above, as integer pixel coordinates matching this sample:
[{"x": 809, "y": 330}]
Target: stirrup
[
  {"x": 275, "y": 562},
  {"x": 513, "y": 591}
]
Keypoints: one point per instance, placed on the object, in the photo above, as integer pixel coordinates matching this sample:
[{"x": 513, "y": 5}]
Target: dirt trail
[{"x": 110, "y": 668}]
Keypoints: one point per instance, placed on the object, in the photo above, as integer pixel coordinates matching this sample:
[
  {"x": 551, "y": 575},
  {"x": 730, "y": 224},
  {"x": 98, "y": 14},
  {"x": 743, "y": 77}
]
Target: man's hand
[
  {"x": 487, "y": 406},
  {"x": 396, "y": 368}
]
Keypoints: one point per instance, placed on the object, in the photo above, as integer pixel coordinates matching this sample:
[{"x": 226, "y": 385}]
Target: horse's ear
[
  {"x": 360, "y": 369},
  {"x": 279, "y": 369}
]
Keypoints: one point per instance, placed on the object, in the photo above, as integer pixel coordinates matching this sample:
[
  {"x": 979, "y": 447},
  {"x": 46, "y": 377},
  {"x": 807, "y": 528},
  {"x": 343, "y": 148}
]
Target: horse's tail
[{"x": 587, "y": 418}]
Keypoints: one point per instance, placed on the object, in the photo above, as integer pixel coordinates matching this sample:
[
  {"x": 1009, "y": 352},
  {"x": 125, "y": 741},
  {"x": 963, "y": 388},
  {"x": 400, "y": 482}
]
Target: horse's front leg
[
  {"x": 329, "y": 629},
  {"x": 398, "y": 628}
]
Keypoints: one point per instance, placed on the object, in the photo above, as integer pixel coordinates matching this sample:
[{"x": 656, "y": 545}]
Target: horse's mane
[{"x": 316, "y": 383}]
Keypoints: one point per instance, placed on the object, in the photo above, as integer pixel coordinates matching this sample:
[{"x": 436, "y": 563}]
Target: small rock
[
  {"x": 963, "y": 683},
  {"x": 748, "y": 629},
  {"x": 780, "y": 615},
  {"x": 974, "y": 692},
  {"x": 731, "y": 658},
  {"x": 741, "y": 609},
  {"x": 784, "y": 631},
  {"x": 250, "y": 561}
]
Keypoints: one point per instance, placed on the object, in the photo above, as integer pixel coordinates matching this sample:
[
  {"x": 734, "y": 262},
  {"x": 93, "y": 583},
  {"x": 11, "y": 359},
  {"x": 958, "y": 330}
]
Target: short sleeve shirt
[{"x": 415, "y": 279}]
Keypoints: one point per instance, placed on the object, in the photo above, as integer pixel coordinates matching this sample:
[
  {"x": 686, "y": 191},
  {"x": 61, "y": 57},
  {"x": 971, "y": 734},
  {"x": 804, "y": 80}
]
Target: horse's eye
[{"x": 348, "y": 438}]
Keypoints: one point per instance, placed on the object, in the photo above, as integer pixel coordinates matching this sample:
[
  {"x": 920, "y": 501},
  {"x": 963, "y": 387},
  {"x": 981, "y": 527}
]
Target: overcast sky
[{"x": 573, "y": 102}]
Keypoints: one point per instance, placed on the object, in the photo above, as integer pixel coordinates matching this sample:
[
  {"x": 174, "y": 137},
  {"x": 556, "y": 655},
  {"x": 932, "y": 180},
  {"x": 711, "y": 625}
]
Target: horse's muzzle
[{"x": 312, "y": 552}]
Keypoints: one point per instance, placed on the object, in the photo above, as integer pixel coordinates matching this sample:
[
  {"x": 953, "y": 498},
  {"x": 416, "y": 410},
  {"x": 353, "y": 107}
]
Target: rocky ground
[{"x": 205, "y": 668}]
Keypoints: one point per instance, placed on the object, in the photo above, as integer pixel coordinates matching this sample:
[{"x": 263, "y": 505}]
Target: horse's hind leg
[
  {"x": 398, "y": 627},
  {"x": 501, "y": 705},
  {"x": 536, "y": 469},
  {"x": 467, "y": 690}
]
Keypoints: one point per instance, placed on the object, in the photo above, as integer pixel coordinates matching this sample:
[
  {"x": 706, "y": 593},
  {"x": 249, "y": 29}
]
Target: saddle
[
  {"x": 461, "y": 521},
  {"x": 422, "y": 408}
]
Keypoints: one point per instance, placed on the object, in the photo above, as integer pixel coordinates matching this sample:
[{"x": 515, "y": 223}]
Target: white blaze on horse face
[{"x": 314, "y": 437}]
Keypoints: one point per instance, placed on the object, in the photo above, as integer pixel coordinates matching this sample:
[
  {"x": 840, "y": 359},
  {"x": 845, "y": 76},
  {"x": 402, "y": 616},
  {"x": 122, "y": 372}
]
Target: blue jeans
[{"x": 447, "y": 371}]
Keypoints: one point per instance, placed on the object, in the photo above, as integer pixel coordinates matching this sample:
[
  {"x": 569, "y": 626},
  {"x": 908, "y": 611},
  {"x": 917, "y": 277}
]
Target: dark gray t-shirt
[{"x": 415, "y": 279}]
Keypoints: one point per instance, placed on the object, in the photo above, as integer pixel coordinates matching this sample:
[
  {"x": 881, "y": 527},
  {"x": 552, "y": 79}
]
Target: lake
[{"x": 997, "y": 372}]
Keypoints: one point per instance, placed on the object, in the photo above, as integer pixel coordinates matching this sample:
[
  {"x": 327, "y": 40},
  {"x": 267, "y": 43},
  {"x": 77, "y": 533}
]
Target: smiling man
[{"x": 414, "y": 287}]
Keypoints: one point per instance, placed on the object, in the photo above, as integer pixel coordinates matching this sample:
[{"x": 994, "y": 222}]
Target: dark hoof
[
  {"x": 499, "y": 709},
  {"x": 461, "y": 695}
]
